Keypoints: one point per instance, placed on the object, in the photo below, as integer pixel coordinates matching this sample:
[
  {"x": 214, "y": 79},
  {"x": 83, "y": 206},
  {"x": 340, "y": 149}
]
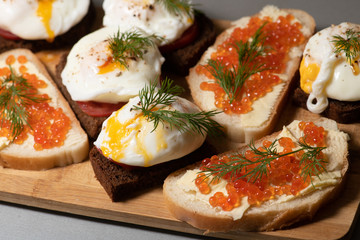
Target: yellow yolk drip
[
  {"x": 355, "y": 67},
  {"x": 308, "y": 75},
  {"x": 119, "y": 137},
  {"x": 109, "y": 66},
  {"x": 44, "y": 11}
]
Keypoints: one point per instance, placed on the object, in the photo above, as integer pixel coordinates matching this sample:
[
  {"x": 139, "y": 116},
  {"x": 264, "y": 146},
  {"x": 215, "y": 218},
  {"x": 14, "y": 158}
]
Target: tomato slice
[
  {"x": 99, "y": 109},
  {"x": 186, "y": 38},
  {"x": 8, "y": 35}
]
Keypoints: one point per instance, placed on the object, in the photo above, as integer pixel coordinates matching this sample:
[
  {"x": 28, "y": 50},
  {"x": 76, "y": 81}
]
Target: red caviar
[
  {"x": 281, "y": 35},
  {"x": 49, "y": 125},
  {"x": 283, "y": 174}
]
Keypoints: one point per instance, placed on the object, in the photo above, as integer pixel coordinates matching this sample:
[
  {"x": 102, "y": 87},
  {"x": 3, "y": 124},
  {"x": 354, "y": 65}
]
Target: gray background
[{"x": 19, "y": 222}]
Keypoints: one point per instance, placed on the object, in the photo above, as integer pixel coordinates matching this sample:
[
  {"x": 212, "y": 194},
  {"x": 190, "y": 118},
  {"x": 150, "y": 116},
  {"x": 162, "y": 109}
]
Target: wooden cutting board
[{"x": 74, "y": 189}]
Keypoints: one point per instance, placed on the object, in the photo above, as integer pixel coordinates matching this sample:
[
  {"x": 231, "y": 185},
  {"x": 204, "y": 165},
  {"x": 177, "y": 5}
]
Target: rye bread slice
[
  {"x": 340, "y": 111},
  {"x": 121, "y": 183}
]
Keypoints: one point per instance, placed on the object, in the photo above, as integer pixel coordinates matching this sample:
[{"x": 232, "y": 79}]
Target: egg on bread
[
  {"x": 43, "y": 19},
  {"x": 128, "y": 137},
  {"x": 152, "y": 16},
  {"x": 329, "y": 74},
  {"x": 186, "y": 33},
  {"x": 91, "y": 74},
  {"x": 152, "y": 135}
]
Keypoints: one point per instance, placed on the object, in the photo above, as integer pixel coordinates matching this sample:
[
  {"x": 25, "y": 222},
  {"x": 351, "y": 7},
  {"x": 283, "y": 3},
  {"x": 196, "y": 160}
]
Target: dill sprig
[
  {"x": 349, "y": 45},
  {"x": 154, "y": 103},
  {"x": 177, "y": 6},
  {"x": 15, "y": 95},
  {"x": 258, "y": 167},
  {"x": 130, "y": 45},
  {"x": 231, "y": 79}
]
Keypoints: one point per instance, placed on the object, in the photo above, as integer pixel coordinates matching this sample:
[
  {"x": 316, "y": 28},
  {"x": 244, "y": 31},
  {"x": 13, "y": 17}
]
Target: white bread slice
[
  {"x": 261, "y": 120},
  {"x": 270, "y": 215},
  {"x": 76, "y": 146}
]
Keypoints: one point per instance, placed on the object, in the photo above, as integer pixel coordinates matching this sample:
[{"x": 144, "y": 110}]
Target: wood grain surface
[{"x": 74, "y": 189}]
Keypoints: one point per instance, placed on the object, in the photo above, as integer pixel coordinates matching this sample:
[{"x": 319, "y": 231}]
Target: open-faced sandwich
[
  {"x": 330, "y": 73},
  {"x": 248, "y": 72},
  {"x": 38, "y": 130},
  {"x": 151, "y": 136},
  {"x": 186, "y": 33},
  {"x": 41, "y": 25},
  {"x": 270, "y": 184},
  {"x": 104, "y": 70}
]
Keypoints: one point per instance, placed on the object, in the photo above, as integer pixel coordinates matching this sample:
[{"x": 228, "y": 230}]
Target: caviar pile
[
  {"x": 47, "y": 124},
  {"x": 283, "y": 174},
  {"x": 280, "y": 36}
]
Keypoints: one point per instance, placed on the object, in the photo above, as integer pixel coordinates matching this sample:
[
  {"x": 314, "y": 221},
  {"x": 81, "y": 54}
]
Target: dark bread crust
[
  {"x": 340, "y": 111},
  {"x": 180, "y": 60},
  {"x": 65, "y": 40},
  {"x": 121, "y": 183},
  {"x": 92, "y": 125}
]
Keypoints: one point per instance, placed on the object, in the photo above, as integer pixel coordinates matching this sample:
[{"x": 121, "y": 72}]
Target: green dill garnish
[
  {"x": 154, "y": 103},
  {"x": 255, "y": 169},
  {"x": 231, "y": 79},
  {"x": 349, "y": 45},
  {"x": 177, "y": 6},
  {"x": 130, "y": 45},
  {"x": 15, "y": 95}
]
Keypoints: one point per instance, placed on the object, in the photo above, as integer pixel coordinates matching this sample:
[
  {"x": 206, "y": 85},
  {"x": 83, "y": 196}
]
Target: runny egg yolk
[
  {"x": 109, "y": 66},
  {"x": 119, "y": 136},
  {"x": 308, "y": 75},
  {"x": 355, "y": 67},
  {"x": 44, "y": 11}
]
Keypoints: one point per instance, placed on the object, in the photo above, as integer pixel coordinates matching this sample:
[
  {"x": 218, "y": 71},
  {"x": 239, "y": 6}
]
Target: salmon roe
[
  {"x": 49, "y": 125},
  {"x": 283, "y": 174},
  {"x": 280, "y": 36}
]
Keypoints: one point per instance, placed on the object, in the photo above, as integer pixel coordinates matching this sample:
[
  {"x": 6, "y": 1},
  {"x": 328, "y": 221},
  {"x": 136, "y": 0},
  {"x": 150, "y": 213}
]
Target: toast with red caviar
[
  {"x": 248, "y": 71},
  {"x": 38, "y": 129},
  {"x": 301, "y": 171}
]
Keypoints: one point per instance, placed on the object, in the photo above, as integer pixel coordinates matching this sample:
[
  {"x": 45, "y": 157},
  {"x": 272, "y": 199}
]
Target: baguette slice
[
  {"x": 261, "y": 120},
  {"x": 76, "y": 146},
  {"x": 269, "y": 215}
]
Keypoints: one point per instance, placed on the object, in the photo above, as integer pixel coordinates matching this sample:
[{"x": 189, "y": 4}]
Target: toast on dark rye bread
[
  {"x": 65, "y": 40},
  {"x": 92, "y": 125}
]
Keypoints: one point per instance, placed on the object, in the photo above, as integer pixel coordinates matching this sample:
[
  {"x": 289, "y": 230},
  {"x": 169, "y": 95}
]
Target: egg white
[
  {"x": 81, "y": 78},
  {"x": 158, "y": 146},
  {"x": 149, "y": 15}
]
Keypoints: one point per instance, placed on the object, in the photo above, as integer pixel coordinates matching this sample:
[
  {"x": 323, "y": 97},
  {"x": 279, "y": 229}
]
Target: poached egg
[
  {"x": 89, "y": 75},
  {"x": 149, "y": 15},
  {"x": 127, "y": 137},
  {"x": 325, "y": 74},
  {"x": 41, "y": 19}
]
